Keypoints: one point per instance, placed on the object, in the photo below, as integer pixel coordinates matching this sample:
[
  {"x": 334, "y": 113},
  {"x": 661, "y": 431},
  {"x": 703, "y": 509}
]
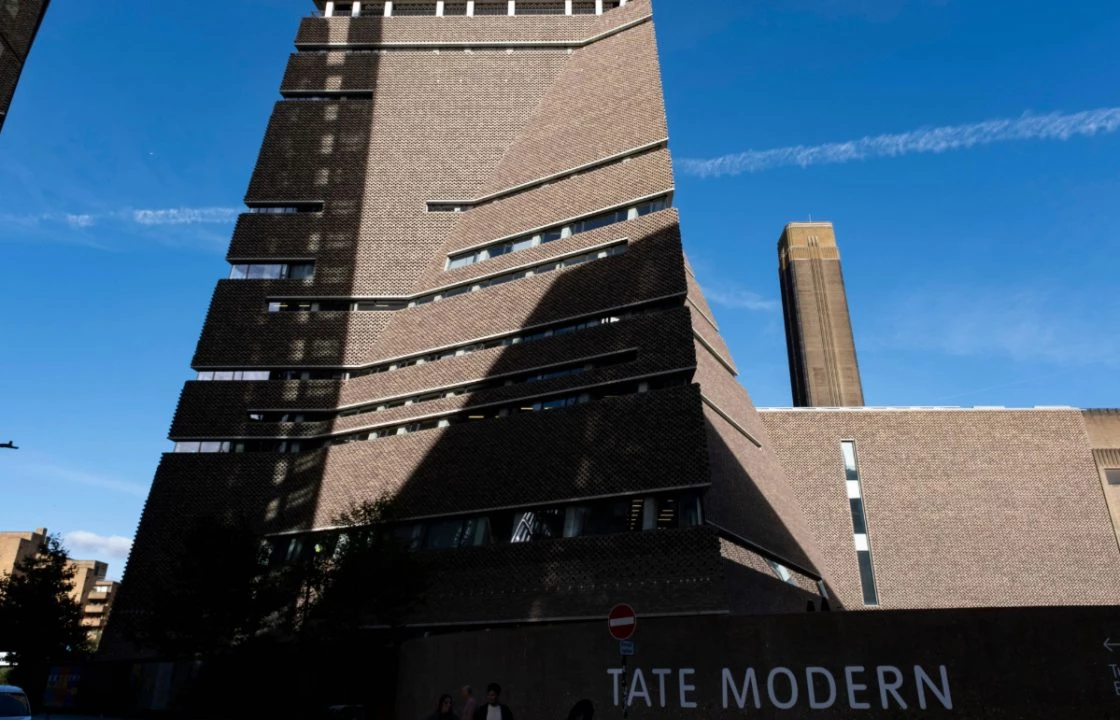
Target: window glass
[
  {"x": 524, "y": 243},
  {"x": 1112, "y": 476},
  {"x": 239, "y": 272},
  {"x": 551, "y": 236},
  {"x": 186, "y": 447},
  {"x": 609, "y": 518},
  {"x": 301, "y": 271},
  {"x": 575, "y": 521},
  {"x": 410, "y": 535},
  {"x": 849, "y": 452},
  {"x": 14, "y": 705},
  {"x": 461, "y": 261},
  {"x": 537, "y": 525},
  {"x": 867, "y": 578},
  {"x": 446, "y": 535},
  {"x": 859, "y": 520},
  {"x": 690, "y": 515}
]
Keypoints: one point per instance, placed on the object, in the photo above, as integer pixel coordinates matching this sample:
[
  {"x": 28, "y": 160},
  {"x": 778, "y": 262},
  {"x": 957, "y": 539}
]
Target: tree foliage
[
  {"x": 40, "y": 623},
  {"x": 224, "y": 594},
  {"x": 369, "y": 578}
]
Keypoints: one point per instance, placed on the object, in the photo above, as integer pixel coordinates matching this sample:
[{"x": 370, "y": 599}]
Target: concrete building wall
[
  {"x": 964, "y": 508},
  {"x": 15, "y": 547}
]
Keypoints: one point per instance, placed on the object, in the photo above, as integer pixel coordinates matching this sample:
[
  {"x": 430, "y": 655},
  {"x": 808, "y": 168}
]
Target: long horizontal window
[
  {"x": 457, "y": 8},
  {"x": 550, "y": 373},
  {"x": 234, "y": 375},
  {"x": 273, "y": 271},
  {"x": 387, "y": 305},
  {"x": 285, "y": 208},
  {"x": 552, "y": 234},
  {"x": 595, "y": 518},
  {"x": 493, "y": 412},
  {"x": 465, "y": 349}
]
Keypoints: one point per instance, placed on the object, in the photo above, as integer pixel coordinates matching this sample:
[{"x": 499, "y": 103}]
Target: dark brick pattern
[
  {"x": 458, "y": 125},
  {"x": 965, "y": 508},
  {"x": 218, "y": 409},
  {"x": 659, "y": 572},
  {"x": 19, "y": 24}
]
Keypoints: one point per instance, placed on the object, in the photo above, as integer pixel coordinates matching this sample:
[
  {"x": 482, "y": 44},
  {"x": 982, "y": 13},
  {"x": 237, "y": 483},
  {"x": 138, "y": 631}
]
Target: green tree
[
  {"x": 215, "y": 594},
  {"x": 366, "y": 577},
  {"x": 40, "y": 623}
]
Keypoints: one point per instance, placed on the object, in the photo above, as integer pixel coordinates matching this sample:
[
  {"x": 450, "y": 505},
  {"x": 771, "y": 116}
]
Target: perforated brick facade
[
  {"x": 964, "y": 508},
  {"x": 529, "y": 125},
  {"x": 19, "y": 24}
]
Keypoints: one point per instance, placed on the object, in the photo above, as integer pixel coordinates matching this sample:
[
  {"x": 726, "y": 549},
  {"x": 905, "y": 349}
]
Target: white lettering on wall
[
  {"x": 639, "y": 680},
  {"x": 886, "y": 687},
  {"x": 780, "y": 704},
  {"x": 661, "y": 673},
  {"x": 686, "y": 688},
  {"x": 814, "y": 702},
  {"x": 750, "y": 684},
  {"x": 615, "y": 673},
  {"x": 854, "y": 687},
  {"x": 922, "y": 680}
]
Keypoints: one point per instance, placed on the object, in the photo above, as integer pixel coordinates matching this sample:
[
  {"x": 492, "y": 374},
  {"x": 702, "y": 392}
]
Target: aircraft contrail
[{"x": 1054, "y": 126}]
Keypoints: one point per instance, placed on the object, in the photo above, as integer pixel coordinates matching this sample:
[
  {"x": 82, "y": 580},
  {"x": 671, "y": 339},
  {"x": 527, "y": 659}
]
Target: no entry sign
[{"x": 622, "y": 622}]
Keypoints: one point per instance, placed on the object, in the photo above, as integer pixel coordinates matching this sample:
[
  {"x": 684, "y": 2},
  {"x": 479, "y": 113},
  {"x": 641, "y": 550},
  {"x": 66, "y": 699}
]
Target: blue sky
[{"x": 981, "y": 275}]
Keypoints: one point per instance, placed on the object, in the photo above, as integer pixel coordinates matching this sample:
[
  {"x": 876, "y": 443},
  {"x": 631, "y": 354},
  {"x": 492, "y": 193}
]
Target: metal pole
[{"x": 625, "y": 691}]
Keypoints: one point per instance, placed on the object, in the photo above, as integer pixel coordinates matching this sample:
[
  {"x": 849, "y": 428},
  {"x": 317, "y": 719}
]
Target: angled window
[{"x": 854, "y": 488}]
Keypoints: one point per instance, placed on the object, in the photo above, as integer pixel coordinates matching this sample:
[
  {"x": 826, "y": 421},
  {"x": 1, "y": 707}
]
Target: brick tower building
[
  {"x": 19, "y": 24},
  {"x": 822, "y": 350},
  {"x": 460, "y": 283}
]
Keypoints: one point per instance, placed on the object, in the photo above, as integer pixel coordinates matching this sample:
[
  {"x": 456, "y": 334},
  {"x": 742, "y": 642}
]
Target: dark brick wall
[
  {"x": 19, "y": 24},
  {"x": 217, "y": 409},
  {"x": 458, "y": 125}
]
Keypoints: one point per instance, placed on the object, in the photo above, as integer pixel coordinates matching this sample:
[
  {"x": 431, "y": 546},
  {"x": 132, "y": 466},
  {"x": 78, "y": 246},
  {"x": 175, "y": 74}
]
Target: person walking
[
  {"x": 583, "y": 710},
  {"x": 443, "y": 709},
  {"x": 469, "y": 705},
  {"x": 493, "y": 709}
]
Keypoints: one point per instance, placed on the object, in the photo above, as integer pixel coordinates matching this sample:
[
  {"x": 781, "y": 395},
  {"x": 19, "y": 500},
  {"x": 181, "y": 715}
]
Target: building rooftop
[{"x": 928, "y": 408}]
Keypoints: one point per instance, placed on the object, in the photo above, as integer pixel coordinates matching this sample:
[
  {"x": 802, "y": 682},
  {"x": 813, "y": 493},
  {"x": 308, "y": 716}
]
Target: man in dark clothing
[{"x": 493, "y": 709}]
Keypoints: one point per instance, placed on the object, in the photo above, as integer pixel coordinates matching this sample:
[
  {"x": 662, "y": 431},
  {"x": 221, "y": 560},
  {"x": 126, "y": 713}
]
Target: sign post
[{"x": 622, "y": 621}]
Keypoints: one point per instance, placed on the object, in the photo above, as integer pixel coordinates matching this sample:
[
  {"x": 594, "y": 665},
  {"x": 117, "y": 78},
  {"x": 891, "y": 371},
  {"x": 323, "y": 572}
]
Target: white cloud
[
  {"x": 87, "y": 545},
  {"x": 185, "y": 216},
  {"x": 79, "y": 221},
  {"x": 170, "y": 216},
  {"x": 738, "y": 298},
  {"x": 1054, "y": 126}
]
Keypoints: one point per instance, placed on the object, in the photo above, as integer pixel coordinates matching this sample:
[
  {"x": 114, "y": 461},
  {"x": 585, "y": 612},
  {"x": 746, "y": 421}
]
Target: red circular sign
[{"x": 622, "y": 622}]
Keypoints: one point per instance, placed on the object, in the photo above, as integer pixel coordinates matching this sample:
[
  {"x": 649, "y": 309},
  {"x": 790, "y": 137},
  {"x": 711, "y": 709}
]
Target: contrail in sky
[{"x": 1054, "y": 126}]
